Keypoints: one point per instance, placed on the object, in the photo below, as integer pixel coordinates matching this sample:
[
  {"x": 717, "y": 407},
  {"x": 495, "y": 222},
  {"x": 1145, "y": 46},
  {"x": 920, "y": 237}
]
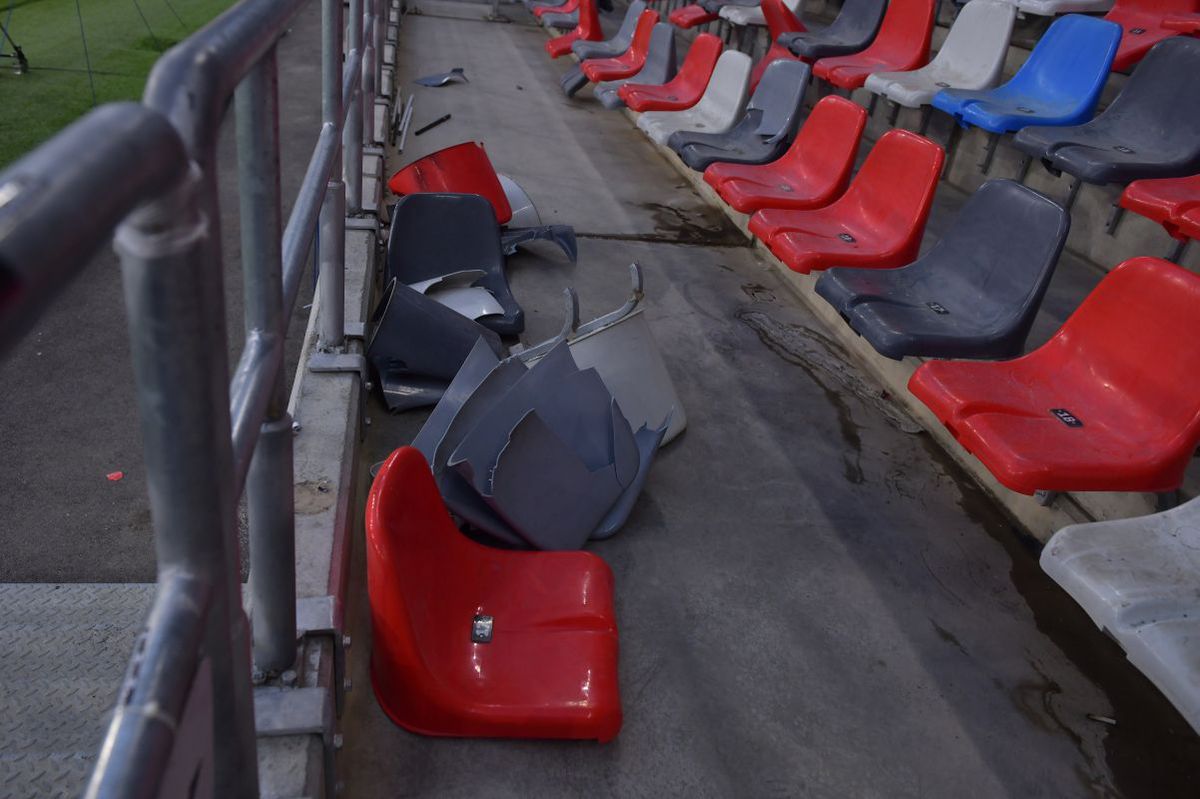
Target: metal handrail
[{"x": 207, "y": 434}]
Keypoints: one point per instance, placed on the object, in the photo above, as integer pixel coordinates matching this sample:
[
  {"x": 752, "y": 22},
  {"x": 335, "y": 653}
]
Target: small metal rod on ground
[
  {"x": 432, "y": 124},
  {"x": 405, "y": 120}
]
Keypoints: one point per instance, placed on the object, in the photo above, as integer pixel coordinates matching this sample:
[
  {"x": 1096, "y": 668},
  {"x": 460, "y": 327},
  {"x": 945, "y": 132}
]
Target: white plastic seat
[
  {"x": 753, "y": 15},
  {"x": 1049, "y": 8},
  {"x": 972, "y": 57},
  {"x": 1137, "y": 579},
  {"x": 719, "y": 108}
]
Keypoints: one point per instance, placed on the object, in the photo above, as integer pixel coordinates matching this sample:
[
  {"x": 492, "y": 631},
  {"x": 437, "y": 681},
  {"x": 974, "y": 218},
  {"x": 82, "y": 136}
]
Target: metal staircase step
[{"x": 64, "y": 651}]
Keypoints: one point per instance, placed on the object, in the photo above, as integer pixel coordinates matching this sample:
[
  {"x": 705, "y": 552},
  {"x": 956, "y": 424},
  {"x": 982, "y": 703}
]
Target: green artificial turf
[{"x": 121, "y": 45}]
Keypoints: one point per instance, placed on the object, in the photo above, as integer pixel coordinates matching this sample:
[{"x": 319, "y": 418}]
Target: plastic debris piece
[{"x": 455, "y": 75}]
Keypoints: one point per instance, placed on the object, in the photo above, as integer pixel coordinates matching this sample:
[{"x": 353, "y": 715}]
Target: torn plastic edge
[{"x": 637, "y": 294}]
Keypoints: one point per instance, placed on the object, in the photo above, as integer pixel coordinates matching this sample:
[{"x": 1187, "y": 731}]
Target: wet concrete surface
[
  {"x": 68, "y": 412},
  {"x": 813, "y": 600}
]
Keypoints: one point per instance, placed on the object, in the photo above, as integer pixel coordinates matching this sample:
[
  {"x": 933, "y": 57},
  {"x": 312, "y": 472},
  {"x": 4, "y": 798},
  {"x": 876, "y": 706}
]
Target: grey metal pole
[
  {"x": 369, "y": 71},
  {"x": 332, "y": 324},
  {"x": 352, "y": 135},
  {"x": 269, "y": 482},
  {"x": 176, "y": 309}
]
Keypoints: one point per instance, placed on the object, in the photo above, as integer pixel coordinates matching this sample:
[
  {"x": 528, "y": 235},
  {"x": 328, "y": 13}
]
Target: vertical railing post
[
  {"x": 352, "y": 135},
  {"x": 269, "y": 481},
  {"x": 331, "y": 322},
  {"x": 370, "y": 55},
  {"x": 175, "y": 305}
]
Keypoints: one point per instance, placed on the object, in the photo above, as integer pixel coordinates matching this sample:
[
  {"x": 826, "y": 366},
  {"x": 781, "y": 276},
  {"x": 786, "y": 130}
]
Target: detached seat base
[{"x": 470, "y": 641}]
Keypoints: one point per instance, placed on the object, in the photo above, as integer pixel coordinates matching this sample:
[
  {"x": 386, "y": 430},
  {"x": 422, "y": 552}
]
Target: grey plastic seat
[
  {"x": 1049, "y": 8},
  {"x": 853, "y": 29},
  {"x": 764, "y": 133},
  {"x": 1137, "y": 580},
  {"x": 561, "y": 21},
  {"x": 742, "y": 16},
  {"x": 619, "y": 43},
  {"x": 719, "y": 107},
  {"x": 974, "y": 294},
  {"x": 434, "y": 235},
  {"x": 972, "y": 57},
  {"x": 417, "y": 346},
  {"x": 1151, "y": 129},
  {"x": 659, "y": 68}
]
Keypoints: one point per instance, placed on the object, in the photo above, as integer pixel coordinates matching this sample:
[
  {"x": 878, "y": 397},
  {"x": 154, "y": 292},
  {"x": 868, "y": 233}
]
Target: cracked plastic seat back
[
  {"x": 763, "y": 133},
  {"x": 1164, "y": 200},
  {"x": 876, "y": 224},
  {"x": 1136, "y": 579},
  {"x": 780, "y": 18},
  {"x": 902, "y": 43},
  {"x": 471, "y": 641},
  {"x": 619, "y": 43},
  {"x": 1151, "y": 130},
  {"x": 974, "y": 294},
  {"x": 1059, "y": 84},
  {"x": 458, "y": 169},
  {"x": 718, "y": 109},
  {"x": 853, "y": 29},
  {"x": 1142, "y": 26},
  {"x": 629, "y": 62},
  {"x": 1110, "y": 403},
  {"x": 659, "y": 68},
  {"x": 972, "y": 57},
  {"x": 813, "y": 172},
  {"x": 686, "y": 88},
  {"x": 440, "y": 234}
]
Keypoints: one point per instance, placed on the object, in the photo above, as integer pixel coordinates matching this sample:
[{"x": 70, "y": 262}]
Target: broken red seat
[
  {"x": 780, "y": 20},
  {"x": 1110, "y": 403},
  {"x": 565, "y": 8},
  {"x": 691, "y": 16},
  {"x": 628, "y": 63},
  {"x": 686, "y": 88},
  {"x": 588, "y": 30},
  {"x": 902, "y": 44},
  {"x": 1163, "y": 200},
  {"x": 471, "y": 641},
  {"x": 813, "y": 172},
  {"x": 876, "y": 224},
  {"x": 458, "y": 169},
  {"x": 1142, "y": 26}
]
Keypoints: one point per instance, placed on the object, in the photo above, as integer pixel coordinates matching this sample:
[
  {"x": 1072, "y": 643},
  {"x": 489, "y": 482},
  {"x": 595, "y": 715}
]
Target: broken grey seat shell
[
  {"x": 851, "y": 31},
  {"x": 417, "y": 346},
  {"x": 974, "y": 295},
  {"x": 660, "y": 67},
  {"x": 1151, "y": 129},
  {"x": 763, "y": 134},
  {"x": 435, "y": 234}
]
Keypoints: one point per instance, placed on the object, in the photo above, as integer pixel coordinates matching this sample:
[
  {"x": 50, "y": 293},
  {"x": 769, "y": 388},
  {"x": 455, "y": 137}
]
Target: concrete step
[{"x": 65, "y": 648}]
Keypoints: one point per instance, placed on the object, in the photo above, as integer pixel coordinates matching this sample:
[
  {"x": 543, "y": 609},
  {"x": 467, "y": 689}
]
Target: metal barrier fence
[{"x": 208, "y": 435}]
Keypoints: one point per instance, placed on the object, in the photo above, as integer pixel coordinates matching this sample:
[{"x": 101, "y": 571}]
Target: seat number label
[
  {"x": 937, "y": 308},
  {"x": 1066, "y": 417}
]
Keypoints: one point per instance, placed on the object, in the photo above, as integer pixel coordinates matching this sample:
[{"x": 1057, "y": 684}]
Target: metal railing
[{"x": 208, "y": 434}]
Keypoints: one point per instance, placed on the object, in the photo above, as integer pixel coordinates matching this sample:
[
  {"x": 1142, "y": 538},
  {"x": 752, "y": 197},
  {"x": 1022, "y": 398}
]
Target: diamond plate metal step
[{"x": 63, "y": 653}]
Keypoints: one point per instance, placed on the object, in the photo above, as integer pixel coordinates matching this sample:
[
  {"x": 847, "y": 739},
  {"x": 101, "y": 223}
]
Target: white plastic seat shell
[
  {"x": 972, "y": 57},
  {"x": 1137, "y": 580},
  {"x": 753, "y": 15},
  {"x": 1050, "y": 8},
  {"x": 719, "y": 108}
]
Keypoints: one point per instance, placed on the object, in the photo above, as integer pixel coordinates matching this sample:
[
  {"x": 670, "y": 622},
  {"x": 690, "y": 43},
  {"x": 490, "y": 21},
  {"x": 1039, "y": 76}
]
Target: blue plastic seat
[{"x": 1059, "y": 84}]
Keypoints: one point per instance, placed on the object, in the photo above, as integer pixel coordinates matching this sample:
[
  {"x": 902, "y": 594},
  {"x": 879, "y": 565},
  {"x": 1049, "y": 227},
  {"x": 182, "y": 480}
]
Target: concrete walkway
[{"x": 813, "y": 599}]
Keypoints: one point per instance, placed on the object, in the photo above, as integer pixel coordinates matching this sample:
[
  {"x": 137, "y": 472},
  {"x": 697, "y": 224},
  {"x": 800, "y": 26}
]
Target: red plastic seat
[
  {"x": 565, "y": 8},
  {"x": 1110, "y": 403},
  {"x": 876, "y": 224},
  {"x": 1142, "y": 26},
  {"x": 688, "y": 85},
  {"x": 902, "y": 44},
  {"x": 1189, "y": 223},
  {"x": 1183, "y": 23},
  {"x": 587, "y": 30},
  {"x": 691, "y": 16},
  {"x": 458, "y": 169},
  {"x": 628, "y": 63},
  {"x": 812, "y": 173},
  {"x": 780, "y": 20},
  {"x": 550, "y": 668},
  {"x": 1163, "y": 200}
]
